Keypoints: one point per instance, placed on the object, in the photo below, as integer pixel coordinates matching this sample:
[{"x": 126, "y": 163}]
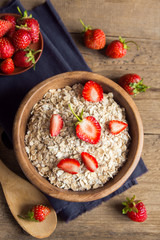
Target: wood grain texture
[
  {"x": 21, "y": 196},
  {"x": 139, "y": 21}
]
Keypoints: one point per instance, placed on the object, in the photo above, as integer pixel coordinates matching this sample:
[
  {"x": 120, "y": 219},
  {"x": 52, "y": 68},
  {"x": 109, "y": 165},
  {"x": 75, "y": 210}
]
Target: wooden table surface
[{"x": 135, "y": 20}]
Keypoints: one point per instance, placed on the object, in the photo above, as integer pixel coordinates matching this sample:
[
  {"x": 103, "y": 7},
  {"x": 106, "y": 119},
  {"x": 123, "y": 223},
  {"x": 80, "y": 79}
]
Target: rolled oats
[{"x": 45, "y": 151}]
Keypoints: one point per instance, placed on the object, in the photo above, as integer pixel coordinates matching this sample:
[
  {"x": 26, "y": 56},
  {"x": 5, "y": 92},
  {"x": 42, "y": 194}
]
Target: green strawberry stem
[
  {"x": 138, "y": 87},
  {"x": 134, "y": 43},
  {"x": 23, "y": 27},
  {"x": 123, "y": 41},
  {"x": 24, "y": 15},
  {"x": 79, "y": 118},
  {"x": 130, "y": 205},
  {"x": 29, "y": 217},
  {"x": 85, "y": 27},
  {"x": 30, "y": 55}
]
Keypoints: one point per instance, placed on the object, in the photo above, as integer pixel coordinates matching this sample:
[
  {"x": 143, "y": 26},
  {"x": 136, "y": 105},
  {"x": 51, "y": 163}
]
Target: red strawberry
[
  {"x": 31, "y": 23},
  {"x": 7, "y": 66},
  {"x": 69, "y": 165},
  {"x": 132, "y": 83},
  {"x": 24, "y": 58},
  {"x": 56, "y": 124},
  {"x": 6, "y": 48},
  {"x": 21, "y": 39},
  {"x": 92, "y": 91},
  {"x": 89, "y": 161},
  {"x": 118, "y": 48},
  {"x": 11, "y": 19},
  {"x": 37, "y": 214},
  {"x": 88, "y": 129},
  {"x": 135, "y": 210},
  {"x": 4, "y": 27},
  {"x": 93, "y": 38},
  {"x": 116, "y": 126}
]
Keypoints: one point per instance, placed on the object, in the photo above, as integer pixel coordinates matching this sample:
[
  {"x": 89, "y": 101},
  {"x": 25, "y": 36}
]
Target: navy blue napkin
[{"x": 60, "y": 55}]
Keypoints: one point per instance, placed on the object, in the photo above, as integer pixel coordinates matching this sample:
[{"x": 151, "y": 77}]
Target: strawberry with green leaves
[
  {"x": 132, "y": 83},
  {"x": 7, "y": 66},
  {"x": 31, "y": 23},
  {"x": 25, "y": 58},
  {"x": 135, "y": 209},
  {"x": 88, "y": 129},
  {"x": 93, "y": 38},
  {"x": 37, "y": 214},
  {"x": 118, "y": 48}
]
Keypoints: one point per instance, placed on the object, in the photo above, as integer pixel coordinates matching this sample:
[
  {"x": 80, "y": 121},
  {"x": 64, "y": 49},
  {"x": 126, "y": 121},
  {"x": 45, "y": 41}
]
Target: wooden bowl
[
  {"x": 34, "y": 46},
  {"x": 60, "y": 81}
]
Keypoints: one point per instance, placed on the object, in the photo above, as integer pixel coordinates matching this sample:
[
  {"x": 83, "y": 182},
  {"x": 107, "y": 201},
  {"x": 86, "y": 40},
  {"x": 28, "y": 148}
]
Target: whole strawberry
[
  {"x": 7, "y": 66},
  {"x": 135, "y": 209},
  {"x": 118, "y": 48},
  {"x": 6, "y": 48},
  {"x": 4, "y": 27},
  {"x": 31, "y": 23},
  {"x": 132, "y": 83},
  {"x": 21, "y": 39},
  {"x": 93, "y": 38},
  {"x": 25, "y": 58},
  {"x": 11, "y": 19},
  {"x": 38, "y": 213}
]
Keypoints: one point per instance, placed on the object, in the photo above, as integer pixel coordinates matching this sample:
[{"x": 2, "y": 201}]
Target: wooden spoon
[{"x": 21, "y": 196}]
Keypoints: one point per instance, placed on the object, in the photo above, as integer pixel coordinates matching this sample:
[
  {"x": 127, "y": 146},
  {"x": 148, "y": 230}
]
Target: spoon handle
[{"x": 5, "y": 173}]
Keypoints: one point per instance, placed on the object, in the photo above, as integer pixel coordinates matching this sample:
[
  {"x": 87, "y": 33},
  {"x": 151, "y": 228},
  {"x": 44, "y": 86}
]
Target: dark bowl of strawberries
[
  {"x": 21, "y": 42},
  {"x": 87, "y": 131}
]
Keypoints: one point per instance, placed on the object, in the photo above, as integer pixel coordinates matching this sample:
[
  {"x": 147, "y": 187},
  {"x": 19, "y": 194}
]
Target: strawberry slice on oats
[
  {"x": 56, "y": 124},
  {"x": 69, "y": 165},
  {"x": 89, "y": 161}
]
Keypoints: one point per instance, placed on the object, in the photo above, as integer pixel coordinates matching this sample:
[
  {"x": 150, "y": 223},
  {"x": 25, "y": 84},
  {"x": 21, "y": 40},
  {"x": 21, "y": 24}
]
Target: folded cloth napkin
[{"x": 60, "y": 55}]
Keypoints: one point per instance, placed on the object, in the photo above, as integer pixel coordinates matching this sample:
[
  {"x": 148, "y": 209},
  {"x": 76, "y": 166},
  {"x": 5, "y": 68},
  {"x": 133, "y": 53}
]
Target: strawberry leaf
[{"x": 138, "y": 87}]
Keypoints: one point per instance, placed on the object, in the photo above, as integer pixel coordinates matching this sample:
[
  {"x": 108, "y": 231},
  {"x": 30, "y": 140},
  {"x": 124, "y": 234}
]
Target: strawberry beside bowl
[
  {"x": 69, "y": 79},
  {"x": 35, "y": 46}
]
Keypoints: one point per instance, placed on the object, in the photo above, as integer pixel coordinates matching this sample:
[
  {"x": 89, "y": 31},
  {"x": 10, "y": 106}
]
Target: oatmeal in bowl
[
  {"x": 46, "y": 151},
  {"x": 79, "y": 144}
]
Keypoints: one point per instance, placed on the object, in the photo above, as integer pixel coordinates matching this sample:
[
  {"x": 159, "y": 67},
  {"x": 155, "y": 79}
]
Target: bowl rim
[
  {"x": 41, "y": 43},
  {"x": 43, "y": 184}
]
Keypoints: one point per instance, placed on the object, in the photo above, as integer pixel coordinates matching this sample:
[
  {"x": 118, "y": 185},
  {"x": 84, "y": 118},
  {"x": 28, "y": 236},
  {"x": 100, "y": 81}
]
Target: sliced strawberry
[
  {"x": 89, "y": 161},
  {"x": 89, "y": 130},
  {"x": 56, "y": 124},
  {"x": 92, "y": 92},
  {"x": 116, "y": 126},
  {"x": 69, "y": 165}
]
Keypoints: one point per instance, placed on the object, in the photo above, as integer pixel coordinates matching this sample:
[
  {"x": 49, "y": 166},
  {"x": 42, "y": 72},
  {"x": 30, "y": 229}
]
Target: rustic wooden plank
[
  {"x": 126, "y": 18},
  {"x": 121, "y": 17},
  {"x": 139, "y": 21}
]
